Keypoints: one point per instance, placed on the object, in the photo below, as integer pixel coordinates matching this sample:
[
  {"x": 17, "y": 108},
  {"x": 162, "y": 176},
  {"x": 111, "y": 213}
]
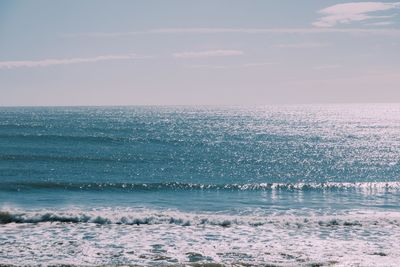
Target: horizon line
[{"x": 198, "y": 105}]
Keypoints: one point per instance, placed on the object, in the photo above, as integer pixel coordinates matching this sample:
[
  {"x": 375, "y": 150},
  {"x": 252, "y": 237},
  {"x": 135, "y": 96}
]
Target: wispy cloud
[
  {"x": 65, "y": 61},
  {"x": 102, "y": 34},
  {"x": 311, "y": 30},
  {"x": 381, "y": 23},
  {"x": 257, "y": 64},
  {"x": 302, "y": 45},
  {"x": 237, "y": 66},
  {"x": 209, "y": 53},
  {"x": 327, "y": 67},
  {"x": 351, "y": 12}
]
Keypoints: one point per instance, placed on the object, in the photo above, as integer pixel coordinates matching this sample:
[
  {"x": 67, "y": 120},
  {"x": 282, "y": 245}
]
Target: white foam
[{"x": 353, "y": 238}]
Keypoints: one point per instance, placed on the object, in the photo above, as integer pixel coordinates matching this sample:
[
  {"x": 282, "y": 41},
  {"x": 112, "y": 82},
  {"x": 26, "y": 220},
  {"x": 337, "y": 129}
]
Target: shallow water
[{"x": 283, "y": 185}]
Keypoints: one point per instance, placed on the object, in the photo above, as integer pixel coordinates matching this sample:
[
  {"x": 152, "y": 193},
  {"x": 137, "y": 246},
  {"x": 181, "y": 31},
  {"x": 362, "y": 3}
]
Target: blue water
[{"x": 234, "y": 161}]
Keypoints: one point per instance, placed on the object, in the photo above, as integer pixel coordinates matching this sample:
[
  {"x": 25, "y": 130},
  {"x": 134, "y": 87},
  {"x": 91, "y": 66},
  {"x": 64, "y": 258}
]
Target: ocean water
[{"x": 307, "y": 185}]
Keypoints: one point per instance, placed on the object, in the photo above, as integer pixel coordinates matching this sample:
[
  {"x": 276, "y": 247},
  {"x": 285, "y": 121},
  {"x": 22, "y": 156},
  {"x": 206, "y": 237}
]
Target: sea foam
[{"x": 161, "y": 237}]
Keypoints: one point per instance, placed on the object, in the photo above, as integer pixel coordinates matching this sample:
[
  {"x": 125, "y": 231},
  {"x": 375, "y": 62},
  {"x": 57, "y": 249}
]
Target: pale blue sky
[{"x": 198, "y": 52}]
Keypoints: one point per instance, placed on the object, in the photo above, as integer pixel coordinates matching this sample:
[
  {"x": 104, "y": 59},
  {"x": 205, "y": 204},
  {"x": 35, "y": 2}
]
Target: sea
[{"x": 279, "y": 185}]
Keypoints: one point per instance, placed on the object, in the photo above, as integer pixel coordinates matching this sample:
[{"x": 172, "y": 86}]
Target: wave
[
  {"x": 128, "y": 237},
  {"x": 170, "y": 217},
  {"x": 71, "y": 138},
  {"x": 73, "y": 159},
  {"x": 19, "y": 186},
  {"x": 96, "y": 139}
]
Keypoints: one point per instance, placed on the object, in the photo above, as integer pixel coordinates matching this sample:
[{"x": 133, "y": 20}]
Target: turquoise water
[{"x": 205, "y": 176}]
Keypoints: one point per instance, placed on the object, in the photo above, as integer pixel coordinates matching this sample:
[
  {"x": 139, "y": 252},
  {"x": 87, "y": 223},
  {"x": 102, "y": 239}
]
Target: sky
[{"x": 186, "y": 52}]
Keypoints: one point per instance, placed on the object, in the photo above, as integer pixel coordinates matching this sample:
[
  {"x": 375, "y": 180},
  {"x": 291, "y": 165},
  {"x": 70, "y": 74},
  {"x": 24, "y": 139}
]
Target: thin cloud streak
[
  {"x": 352, "y": 12},
  {"x": 327, "y": 67},
  {"x": 312, "y": 30},
  {"x": 302, "y": 45},
  {"x": 66, "y": 61},
  {"x": 206, "y": 54},
  {"x": 246, "y": 65},
  {"x": 381, "y": 23},
  {"x": 102, "y": 34}
]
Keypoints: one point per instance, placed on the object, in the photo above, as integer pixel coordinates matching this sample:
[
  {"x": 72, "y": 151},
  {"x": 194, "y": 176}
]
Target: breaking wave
[{"x": 154, "y": 217}]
